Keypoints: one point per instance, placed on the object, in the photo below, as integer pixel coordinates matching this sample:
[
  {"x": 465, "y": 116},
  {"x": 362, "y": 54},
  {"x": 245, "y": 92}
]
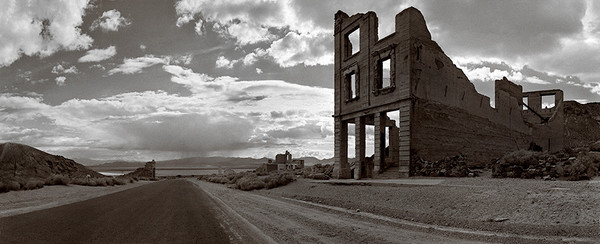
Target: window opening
[
  {"x": 351, "y": 141},
  {"x": 351, "y": 83},
  {"x": 525, "y": 102},
  {"x": 386, "y": 73},
  {"x": 353, "y": 42},
  {"x": 548, "y": 101}
]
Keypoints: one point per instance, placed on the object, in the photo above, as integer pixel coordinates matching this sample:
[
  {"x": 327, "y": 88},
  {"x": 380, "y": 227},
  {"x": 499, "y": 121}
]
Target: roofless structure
[{"x": 420, "y": 105}]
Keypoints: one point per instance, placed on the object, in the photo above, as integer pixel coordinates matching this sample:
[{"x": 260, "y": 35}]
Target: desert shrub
[
  {"x": 80, "y": 181},
  {"x": 249, "y": 182},
  {"x": 214, "y": 178},
  {"x": 521, "y": 158},
  {"x": 57, "y": 180},
  {"x": 98, "y": 182},
  {"x": 119, "y": 181},
  {"x": 9, "y": 186},
  {"x": 318, "y": 176},
  {"x": 584, "y": 167},
  {"x": 111, "y": 181},
  {"x": 33, "y": 184},
  {"x": 233, "y": 178},
  {"x": 278, "y": 179}
]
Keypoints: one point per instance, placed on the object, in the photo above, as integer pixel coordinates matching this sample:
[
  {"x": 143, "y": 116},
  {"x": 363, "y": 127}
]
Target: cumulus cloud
[
  {"x": 43, "y": 30},
  {"x": 223, "y": 62},
  {"x": 97, "y": 66},
  {"x": 483, "y": 71},
  {"x": 110, "y": 21},
  {"x": 564, "y": 42},
  {"x": 193, "y": 81},
  {"x": 60, "y": 81},
  {"x": 59, "y": 69},
  {"x": 136, "y": 65},
  {"x": 184, "y": 59},
  {"x": 519, "y": 33},
  {"x": 97, "y": 55},
  {"x": 266, "y": 22},
  {"x": 308, "y": 49},
  {"x": 199, "y": 28}
]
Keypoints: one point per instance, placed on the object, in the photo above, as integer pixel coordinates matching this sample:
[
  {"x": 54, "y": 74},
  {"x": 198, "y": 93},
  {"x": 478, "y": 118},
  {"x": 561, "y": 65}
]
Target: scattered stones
[
  {"x": 573, "y": 164},
  {"x": 449, "y": 167},
  {"x": 595, "y": 146},
  {"x": 498, "y": 219}
]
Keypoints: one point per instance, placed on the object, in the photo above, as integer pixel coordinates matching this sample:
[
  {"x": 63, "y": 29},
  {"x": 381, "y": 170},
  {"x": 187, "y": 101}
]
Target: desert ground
[{"x": 415, "y": 210}]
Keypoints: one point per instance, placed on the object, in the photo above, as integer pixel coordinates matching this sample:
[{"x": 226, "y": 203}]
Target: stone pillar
[
  {"x": 360, "y": 145},
  {"x": 341, "y": 170},
  {"x": 379, "y": 120},
  {"x": 394, "y": 141},
  {"x": 404, "y": 139}
]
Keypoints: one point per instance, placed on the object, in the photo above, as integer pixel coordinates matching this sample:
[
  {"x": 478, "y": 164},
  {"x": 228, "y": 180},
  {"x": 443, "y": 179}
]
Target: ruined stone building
[
  {"x": 421, "y": 106},
  {"x": 282, "y": 162}
]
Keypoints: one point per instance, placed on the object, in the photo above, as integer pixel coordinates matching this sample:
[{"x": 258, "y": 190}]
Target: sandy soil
[
  {"x": 523, "y": 207},
  {"x": 18, "y": 202}
]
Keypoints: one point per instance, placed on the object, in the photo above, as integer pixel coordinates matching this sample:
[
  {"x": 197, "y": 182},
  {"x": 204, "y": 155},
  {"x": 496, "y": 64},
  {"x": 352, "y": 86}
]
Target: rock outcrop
[{"x": 22, "y": 161}]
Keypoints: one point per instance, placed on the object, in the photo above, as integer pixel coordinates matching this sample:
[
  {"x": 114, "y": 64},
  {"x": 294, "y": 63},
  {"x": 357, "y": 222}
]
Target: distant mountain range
[{"x": 205, "y": 162}]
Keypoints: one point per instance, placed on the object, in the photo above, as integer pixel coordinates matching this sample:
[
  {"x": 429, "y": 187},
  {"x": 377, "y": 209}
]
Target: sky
[{"x": 156, "y": 79}]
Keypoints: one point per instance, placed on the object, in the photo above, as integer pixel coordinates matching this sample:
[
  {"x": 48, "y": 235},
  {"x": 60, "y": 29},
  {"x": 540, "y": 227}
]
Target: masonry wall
[
  {"x": 445, "y": 131},
  {"x": 441, "y": 113}
]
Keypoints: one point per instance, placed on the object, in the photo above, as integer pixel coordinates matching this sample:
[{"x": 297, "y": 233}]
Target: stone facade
[
  {"x": 421, "y": 105},
  {"x": 282, "y": 162}
]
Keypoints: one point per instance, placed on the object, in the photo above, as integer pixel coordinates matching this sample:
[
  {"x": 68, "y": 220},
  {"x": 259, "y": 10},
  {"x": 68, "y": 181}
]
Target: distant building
[{"x": 283, "y": 162}]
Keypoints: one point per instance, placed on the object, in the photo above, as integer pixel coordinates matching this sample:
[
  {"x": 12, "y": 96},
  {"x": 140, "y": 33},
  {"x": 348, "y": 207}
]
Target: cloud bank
[
  {"x": 222, "y": 116},
  {"x": 43, "y": 30}
]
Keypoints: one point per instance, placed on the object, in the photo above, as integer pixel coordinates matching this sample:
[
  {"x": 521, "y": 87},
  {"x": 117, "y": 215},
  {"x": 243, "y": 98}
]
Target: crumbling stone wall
[{"x": 440, "y": 113}]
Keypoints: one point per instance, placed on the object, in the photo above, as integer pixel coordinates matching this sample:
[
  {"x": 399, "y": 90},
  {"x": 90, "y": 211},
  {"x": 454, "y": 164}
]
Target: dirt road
[
  {"x": 173, "y": 211},
  {"x": 290, "y": 221}
]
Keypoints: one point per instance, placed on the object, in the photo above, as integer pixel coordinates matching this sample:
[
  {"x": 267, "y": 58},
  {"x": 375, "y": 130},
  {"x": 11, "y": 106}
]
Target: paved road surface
[{"x": 172, "y": 211}]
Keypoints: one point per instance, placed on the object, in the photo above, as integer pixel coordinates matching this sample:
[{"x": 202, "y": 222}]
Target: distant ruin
[
  {"x": 421, "y": 106},
  {"x": 148, "y": 171},
  {"x": 282, "y": 162}
]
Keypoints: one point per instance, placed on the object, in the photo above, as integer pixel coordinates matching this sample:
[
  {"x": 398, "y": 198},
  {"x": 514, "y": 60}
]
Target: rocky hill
[
  {"x": 22, "y": 162},
  {"x": 582, "y": 123}
]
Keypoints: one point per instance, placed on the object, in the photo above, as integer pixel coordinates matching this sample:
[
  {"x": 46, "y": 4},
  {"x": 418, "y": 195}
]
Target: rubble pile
[
  {"x": 568, "y": 164},
  {"x": 449, "y": 167},
  {"x": 318, "y": 172}
]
